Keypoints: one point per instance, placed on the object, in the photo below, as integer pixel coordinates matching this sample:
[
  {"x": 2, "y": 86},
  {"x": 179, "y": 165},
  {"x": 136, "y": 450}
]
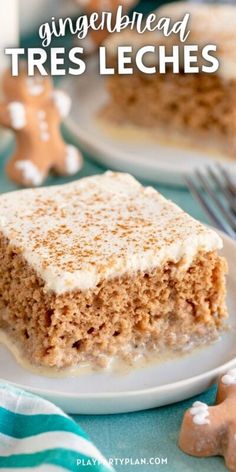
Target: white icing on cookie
[
  {"x": 31, "y": 173},
  {"x": 200, "y": 413},
  {"x": 35, "y": 87},
  {"x": 43, "y": 126},
  {"x": 229, "y": 378},
  {"x": 62, "y": 102},
  {"x": 17, "y": 115},
  {"x": 104, "y": 239},
  {"x": 74, "y": 160}
]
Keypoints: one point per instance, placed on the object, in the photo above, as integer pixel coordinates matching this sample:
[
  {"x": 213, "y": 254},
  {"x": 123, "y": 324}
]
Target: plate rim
[{"x": 136, "y": 393}]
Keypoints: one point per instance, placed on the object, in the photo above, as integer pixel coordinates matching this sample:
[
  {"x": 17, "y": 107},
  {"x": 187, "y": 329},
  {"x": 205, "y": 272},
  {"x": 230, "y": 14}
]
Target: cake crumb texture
[
  {"x": 203, "y": 106},
  {"x": 172, "y": 307}
]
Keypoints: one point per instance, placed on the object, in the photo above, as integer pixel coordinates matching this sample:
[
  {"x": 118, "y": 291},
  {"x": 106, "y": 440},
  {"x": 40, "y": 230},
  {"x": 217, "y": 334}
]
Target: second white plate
[
  {"x": 133, "y": 152},
  {"x": 156, "y": 385}
]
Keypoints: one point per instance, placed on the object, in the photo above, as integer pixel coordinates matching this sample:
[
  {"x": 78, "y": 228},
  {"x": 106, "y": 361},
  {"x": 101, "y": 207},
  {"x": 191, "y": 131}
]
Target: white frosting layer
[
  {"x": 97, "y": 228},
  {"x": 208, "y": 24}
]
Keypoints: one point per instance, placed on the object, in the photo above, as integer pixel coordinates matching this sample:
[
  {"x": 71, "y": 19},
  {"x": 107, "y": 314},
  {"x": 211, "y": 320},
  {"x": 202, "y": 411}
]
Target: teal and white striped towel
[{"x": 37, "y": 436}]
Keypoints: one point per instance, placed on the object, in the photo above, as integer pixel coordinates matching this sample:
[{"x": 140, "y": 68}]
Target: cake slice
[
  {"x": 104, "y": 268},
  {"x": 193, "y": 109}
]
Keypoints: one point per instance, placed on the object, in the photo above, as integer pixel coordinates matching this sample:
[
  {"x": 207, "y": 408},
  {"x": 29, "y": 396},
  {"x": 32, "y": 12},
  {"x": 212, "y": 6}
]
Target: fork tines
[{"x": 215, "y": 190}]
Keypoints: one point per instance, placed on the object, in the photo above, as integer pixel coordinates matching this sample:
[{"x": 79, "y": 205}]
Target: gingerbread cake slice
[
  {"x": 105, "y": 268},
  {"x": 196, "y": 110}
]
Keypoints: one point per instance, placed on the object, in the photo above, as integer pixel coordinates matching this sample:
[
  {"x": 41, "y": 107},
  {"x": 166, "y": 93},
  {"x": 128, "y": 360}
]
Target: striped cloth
[{"x": 37, "y": 436}]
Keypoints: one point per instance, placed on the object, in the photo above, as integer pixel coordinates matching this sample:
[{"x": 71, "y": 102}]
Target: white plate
[
  {"x": 149, "y": 387},
  {"x": 138, "y": 153}
]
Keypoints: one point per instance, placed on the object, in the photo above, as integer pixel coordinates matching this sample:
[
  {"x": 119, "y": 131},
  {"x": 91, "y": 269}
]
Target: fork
[{"x": 215, "y": 190}]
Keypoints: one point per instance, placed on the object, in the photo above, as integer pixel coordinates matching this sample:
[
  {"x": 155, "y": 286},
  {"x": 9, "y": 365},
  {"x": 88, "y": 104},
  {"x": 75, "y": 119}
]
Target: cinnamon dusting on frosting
[{"x": 97, "y": 228}]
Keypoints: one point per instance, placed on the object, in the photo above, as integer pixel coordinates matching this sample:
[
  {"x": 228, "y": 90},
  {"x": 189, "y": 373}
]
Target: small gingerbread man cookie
[
  {"x": 211, "y": 431},
  {"x": 34, "y": 111},
  {"x": 96, "y": 38}
]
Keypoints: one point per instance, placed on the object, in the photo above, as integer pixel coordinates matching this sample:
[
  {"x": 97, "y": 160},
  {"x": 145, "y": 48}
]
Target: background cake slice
[
  {"x": 104, "y": 267},
  {"x": 193, "y": 109}
]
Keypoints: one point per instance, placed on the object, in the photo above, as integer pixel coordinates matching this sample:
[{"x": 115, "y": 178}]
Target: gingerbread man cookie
[
  {"x": 34, "y": 111},
  {"x": 96, "y": 38},
  {"x": 211, "y": 431}
]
